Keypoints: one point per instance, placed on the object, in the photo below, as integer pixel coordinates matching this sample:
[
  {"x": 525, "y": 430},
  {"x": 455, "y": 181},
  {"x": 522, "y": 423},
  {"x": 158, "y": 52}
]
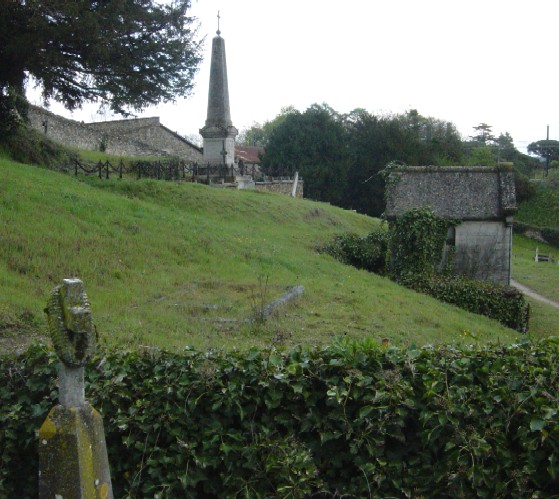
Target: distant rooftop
[{"x": 249, "y": 154}]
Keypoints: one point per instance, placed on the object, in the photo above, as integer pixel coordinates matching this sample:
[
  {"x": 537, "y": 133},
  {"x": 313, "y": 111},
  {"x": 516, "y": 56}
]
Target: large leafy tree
[
  {"x": 314, "y": 144},
  {"x": 373, "y": 143},
  {"x": 546, "y": 149},
  {"x": 258, "y": 134},
  {"x": 127, "y": 54}
]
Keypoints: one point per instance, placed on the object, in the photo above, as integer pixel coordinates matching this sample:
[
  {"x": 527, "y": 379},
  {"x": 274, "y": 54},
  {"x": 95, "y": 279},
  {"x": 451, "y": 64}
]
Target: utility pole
[{"x": 547, "y": 153}]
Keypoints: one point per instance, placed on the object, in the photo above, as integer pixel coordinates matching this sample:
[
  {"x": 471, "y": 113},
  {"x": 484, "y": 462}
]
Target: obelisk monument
[{"x": 218, "y": 133}]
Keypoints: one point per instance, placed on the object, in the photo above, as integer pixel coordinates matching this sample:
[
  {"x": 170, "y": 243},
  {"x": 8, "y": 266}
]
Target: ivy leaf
[{"x": 537, "y": 424}]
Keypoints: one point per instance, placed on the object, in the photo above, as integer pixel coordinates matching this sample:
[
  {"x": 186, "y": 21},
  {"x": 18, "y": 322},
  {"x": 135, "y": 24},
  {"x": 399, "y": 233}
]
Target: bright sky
[{"x": 492, "y": 61}]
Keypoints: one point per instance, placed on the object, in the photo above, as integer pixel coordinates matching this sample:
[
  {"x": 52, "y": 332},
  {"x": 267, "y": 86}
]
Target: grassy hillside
[{"x": 171, "y": 264}]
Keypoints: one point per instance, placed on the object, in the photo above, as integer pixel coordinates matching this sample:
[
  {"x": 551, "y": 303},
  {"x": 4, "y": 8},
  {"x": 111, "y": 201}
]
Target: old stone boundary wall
[
  {"x": 133, "y": 137},
  {"x": 137, "y": 137},
  {"x": 280, "y": 187}
]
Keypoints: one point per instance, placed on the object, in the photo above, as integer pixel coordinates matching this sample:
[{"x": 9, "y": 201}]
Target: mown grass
[
  {"x": 542, "y": 277},
  {"x": 175, "y": 264}
]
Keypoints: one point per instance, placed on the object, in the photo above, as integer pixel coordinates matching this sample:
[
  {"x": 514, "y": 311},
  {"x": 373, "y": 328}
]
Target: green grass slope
[{"x": 175, "y": 264}]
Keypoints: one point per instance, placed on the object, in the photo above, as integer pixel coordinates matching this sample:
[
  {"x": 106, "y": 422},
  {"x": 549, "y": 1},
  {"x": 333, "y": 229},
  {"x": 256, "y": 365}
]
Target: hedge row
[
  {"x": 503, "y": 303},
  {"x": 352, "y": 420},
  {"x": 367, "y": 253},
  {"x": 549, "y": 234},
  {"x": 417, "y": 271}
]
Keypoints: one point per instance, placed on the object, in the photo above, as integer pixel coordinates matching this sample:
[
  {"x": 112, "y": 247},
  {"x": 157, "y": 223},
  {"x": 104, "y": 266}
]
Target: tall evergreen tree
[{"x": 123, "y": 53}]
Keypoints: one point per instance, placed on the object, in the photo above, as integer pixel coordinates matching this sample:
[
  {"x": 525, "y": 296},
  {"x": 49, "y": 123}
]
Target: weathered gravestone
[{"x": 73, "y": 460}]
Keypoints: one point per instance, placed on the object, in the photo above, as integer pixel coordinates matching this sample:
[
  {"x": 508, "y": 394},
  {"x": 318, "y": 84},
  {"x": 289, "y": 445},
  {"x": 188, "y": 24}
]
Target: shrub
[
  {"x": 368, "y": 253},
  {"x": 550, "y": 235},
  {"x": 26, "y": 145},
  {"x": 353, "y": 420},
  {"x": 503, "y": 303},
  {"x": 525, "y": 189},
  {"x": 521, "y": 227}
]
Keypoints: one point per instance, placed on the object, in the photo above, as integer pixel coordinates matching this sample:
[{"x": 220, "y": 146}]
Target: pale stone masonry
[
  {"x": 218, "y": 133},
  {"x": 131, "y": 137},
  {"x": 481, "y": 199}
]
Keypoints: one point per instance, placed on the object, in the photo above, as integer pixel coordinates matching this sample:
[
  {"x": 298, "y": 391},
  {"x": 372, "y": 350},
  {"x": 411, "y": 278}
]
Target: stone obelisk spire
[{"x": 218, "y": 133}]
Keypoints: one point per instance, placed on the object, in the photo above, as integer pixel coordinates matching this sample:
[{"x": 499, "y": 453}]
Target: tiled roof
[{"x": 249, "y": 154}]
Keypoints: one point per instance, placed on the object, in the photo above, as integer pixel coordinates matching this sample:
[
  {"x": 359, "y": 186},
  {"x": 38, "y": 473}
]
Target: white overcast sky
[{"x": 492, "y": 61}]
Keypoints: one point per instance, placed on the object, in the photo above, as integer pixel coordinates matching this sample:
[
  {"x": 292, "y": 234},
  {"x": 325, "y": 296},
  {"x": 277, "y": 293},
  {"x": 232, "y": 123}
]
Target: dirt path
[{"x": 533, "y": 294}]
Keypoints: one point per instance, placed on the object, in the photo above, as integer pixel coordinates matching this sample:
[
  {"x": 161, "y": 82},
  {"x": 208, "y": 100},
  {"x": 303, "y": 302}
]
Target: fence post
[
  {"x": 107, "y": 169},
  {"x": 76, "y": 166},
  {"x": 73, "y": 459},
  {"x": 120, "y": 169}
]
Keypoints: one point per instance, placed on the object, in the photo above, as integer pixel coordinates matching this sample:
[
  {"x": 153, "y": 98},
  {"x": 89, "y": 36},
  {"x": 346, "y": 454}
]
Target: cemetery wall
[
  {"x": 280, "y": 187},
  {"x": 134, "y": 137}
]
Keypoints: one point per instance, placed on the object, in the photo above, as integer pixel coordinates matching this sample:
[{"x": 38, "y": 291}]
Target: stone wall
[
  {"x": 281, "y": 187},
  {"x": 67, "y": 132},
  {"x": 483, "y": 251},
  {"x": 134, "y": 137}
]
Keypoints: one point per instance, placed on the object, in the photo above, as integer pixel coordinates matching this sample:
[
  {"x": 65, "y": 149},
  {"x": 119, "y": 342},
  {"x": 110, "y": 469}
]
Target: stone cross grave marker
[{"x": 73, "y": 460}]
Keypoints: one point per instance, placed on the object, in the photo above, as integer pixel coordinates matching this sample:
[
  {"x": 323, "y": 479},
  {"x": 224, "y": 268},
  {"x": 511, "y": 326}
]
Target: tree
[
  {"x": 481, "y": 156},
  {"x": 121, "y": 53},
  {"x": 373, "y": 142},
  {"x": 483, "y": 134},
  {"x": 546, "y": 149},
  {"x": 314, "y": 144}
]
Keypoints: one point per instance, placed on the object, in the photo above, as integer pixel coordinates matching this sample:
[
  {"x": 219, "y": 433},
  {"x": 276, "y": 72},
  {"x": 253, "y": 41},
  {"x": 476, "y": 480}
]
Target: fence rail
[{"x": 172, "y": 169}]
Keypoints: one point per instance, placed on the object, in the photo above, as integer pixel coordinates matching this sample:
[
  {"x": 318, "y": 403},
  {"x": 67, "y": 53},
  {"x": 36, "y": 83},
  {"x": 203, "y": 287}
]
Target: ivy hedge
[
  {"x": 351, "y": 420},
  {"x": 413, "y": 247},
  {"x": 367, "y": 253},
  {"x": 502, "y": 303}
]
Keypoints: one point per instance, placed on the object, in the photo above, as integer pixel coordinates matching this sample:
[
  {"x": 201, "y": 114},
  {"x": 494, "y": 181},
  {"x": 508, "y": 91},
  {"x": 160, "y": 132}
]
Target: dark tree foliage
[
  {"x": 373, "y": 143},
  {"x": 124, "y": 53},
  {"x": 341, "y": 156},
  {"x": 546, "y": 149},
  {"x": 438, "y": 141},
  {"x": 314, "y": 144}
]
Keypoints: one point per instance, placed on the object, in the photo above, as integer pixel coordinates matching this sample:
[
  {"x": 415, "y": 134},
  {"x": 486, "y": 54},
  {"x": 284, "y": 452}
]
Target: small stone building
[{"x": 480, "y": 199}]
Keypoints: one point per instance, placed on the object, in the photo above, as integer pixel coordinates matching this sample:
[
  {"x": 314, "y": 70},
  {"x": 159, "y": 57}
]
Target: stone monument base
[{"x": 73, "y": 455}]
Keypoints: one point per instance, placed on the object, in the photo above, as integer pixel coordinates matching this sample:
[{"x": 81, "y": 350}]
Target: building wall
[{"x": 483, "y": 250}]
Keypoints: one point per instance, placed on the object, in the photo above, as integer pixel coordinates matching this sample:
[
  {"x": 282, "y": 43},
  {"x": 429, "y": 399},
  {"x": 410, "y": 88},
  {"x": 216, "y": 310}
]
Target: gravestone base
[{"x": 73, "y": 455}]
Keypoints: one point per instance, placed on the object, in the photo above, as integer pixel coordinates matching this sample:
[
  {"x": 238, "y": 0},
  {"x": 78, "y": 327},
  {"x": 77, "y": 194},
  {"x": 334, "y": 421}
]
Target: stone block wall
[
  {"x": 67, "y": 132},
  {"x": 134, "y": 137},
  {"x": 483, "y": 251},
  {"x": 281, "y": 187}
]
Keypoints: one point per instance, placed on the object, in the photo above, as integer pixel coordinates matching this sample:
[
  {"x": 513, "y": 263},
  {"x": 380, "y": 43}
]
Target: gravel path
[{"x": 533, "y": 294}]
